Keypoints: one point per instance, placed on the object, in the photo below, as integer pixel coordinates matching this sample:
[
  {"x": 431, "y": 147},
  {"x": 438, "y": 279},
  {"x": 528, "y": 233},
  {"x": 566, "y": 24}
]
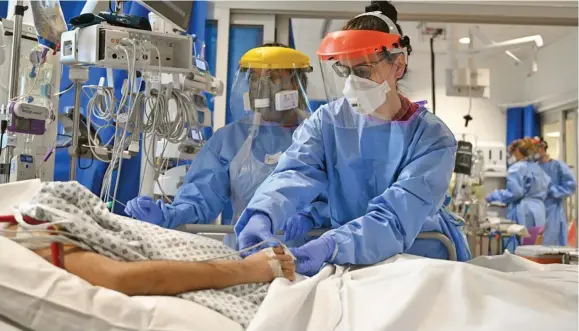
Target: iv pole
[{"x": 19, "y": 10}]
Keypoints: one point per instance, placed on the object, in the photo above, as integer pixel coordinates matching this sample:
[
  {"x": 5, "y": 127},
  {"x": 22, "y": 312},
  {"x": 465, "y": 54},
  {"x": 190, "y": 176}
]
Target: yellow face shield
[{"x": 271, "y": 81}]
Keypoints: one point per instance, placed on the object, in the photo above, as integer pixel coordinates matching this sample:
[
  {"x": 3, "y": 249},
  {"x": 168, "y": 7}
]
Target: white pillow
[
  {"x": 12, "y": 194},
  {"x": 40, "y": 296}
]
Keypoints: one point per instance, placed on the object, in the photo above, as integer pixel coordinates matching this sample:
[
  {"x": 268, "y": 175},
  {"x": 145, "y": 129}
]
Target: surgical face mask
[
  {"x": 365, "y": 95},
  {"x": 262, "y": 93}
]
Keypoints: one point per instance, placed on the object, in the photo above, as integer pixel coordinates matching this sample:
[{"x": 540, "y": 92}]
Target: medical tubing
[
  {"x": 237, "y": 253},
  {"x": 42, "y": 228},
  {"x": 71, "y": 218}
]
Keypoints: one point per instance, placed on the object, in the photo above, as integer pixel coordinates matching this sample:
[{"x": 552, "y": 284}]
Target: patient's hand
[{"x": 260, "y": 271}]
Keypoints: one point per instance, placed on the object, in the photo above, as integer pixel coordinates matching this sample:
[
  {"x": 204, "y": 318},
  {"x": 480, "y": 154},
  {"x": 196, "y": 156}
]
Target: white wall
[
  {"x": 489, "y": 123},
  {"x": 556, "y": 80}
]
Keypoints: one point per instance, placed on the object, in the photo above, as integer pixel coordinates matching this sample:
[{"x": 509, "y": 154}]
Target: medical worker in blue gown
[
  {"x": 527, "y": 186},
  {"x": 268, "y": 102},
  {"x": 563, "y": 185},
  {"x": 383, "y": 163}
]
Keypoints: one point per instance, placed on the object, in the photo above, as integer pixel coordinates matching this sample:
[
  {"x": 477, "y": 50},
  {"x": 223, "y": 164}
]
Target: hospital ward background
[{"x": 289, "y": 165}]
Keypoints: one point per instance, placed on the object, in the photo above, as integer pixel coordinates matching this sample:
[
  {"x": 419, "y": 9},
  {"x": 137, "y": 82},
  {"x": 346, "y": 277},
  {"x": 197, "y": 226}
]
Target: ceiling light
[
  {"x": 555, "y": 134},
  {"x": 464, "y": 40}
]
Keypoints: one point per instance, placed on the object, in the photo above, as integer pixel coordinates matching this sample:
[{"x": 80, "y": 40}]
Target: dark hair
[
  {"x": 302, "y": 74},
  {"x": 374, "y": 23},
  {"x": 273, "y": 44},
  {"x": 543, "y": 142}
]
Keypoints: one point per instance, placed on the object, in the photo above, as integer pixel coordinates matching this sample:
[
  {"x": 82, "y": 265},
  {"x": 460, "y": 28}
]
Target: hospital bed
[
  {"x": 218, "y": 231},
  {"x": 498, "y": 293},
  {"x": 502, "y": 293}
]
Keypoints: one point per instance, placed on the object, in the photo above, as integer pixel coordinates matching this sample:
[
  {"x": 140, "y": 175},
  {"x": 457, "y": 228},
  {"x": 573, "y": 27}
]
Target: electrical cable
[
  {"x": 68, "y": 88},
  {"x": 90, "y": 165}
]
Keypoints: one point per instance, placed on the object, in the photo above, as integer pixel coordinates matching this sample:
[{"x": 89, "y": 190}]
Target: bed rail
[{"x": 227, "y": 229}]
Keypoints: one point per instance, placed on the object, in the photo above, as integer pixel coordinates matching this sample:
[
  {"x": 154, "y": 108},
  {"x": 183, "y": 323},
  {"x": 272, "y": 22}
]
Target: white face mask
[
  {"x": 365, "y": 95},
  {"x": 511, "y": 160}
]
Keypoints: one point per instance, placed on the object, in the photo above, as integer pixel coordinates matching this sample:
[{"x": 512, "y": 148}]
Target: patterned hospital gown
[{"x": 124, "y": 239}]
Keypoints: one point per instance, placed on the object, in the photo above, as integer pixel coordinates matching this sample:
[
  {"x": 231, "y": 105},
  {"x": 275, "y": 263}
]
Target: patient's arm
[
  {"x": 172, "y": 277},
  {"x": 169, "y": 277}
]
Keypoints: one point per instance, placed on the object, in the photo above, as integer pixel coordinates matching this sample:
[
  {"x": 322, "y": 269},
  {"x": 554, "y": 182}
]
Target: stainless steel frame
[{"x": 227, "y": 229}]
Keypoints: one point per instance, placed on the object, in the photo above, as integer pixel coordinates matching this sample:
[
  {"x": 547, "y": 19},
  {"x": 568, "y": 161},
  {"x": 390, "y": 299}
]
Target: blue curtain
[
  {"x": 4, "y": 8},
  {"x": 531, "y": 122},
  {"x": 522, "y": 122},
  {"x": 514, "y": 124},
  {"x": 292, "y": 42}
]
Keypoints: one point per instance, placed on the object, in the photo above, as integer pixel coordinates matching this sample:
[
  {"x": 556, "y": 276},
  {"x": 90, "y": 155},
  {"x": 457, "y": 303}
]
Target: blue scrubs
[
  {"x": 563, "y": 185},
  {"x": 526, "y": 190},
  {"x": 207, "y": 185},
  {"x": 384, "y": 182}
]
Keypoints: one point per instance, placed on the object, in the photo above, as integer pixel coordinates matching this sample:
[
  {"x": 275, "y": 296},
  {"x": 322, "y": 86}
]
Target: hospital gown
[
  {"x": 385, "y": 183},
  {"x": 207, "y": 185},
  {"x": 526, "y": 189},
  {"x": 563, "y": 185}
]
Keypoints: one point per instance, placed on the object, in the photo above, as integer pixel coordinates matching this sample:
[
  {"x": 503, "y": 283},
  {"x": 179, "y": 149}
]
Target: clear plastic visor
[{"x": 277, "y": 95}]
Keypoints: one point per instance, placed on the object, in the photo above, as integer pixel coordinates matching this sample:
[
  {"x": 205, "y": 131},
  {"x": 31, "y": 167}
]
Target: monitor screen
[{"x": 176, "y": 12}]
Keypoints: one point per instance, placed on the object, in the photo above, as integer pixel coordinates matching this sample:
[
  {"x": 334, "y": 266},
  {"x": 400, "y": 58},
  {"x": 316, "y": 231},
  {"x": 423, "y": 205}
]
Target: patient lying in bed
[
  {"x": 167, "y": 277},
  {"x": 138, "y": 258}
]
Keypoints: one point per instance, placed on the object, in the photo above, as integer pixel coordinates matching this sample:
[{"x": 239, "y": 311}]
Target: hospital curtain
[
  {"x": 4, "y": 8},
  {"x": 522, "y": 122}
]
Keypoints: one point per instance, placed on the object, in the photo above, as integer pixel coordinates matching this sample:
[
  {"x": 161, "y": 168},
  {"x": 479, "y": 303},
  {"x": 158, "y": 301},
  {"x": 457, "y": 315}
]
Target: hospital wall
[
  {"x": 489, "y": 120},
  {"x": 556, "y": 81}
]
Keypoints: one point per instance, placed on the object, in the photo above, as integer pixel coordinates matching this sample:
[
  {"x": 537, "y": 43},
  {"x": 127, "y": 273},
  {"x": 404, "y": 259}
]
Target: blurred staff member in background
[
  {"x": 563, "y": 185},
  {"x": 527, "y": 186}
]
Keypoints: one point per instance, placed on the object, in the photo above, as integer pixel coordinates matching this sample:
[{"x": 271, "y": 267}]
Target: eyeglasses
[{"x": 363, "y": 70}]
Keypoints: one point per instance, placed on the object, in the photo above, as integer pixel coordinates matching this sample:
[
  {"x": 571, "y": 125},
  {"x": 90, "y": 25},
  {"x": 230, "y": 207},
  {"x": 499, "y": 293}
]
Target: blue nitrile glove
[
  {"x": 297, "y": 227},
  {"x": 258, "y": 229},
  {"x": 493, "y": 196},
  {"x": 145, "y": 209},
  {"x": 311, "y": 256}
]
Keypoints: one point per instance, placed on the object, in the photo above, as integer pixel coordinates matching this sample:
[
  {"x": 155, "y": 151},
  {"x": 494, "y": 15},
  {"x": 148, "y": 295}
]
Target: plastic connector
[{"x": 134, "y": 147}]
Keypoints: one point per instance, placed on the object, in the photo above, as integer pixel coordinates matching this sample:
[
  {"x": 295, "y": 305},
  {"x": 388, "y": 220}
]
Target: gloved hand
[
  {"x": 493, "y": 196},
  {"x": 297, "y": 227},
  {"x": 311, "y": 256},
  {"x": 145, "y": 209},
  {"x": 258, "y": 229}
]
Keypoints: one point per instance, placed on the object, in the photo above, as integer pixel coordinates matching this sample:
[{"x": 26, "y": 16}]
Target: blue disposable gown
[
  {"x": 563, "y": 185},
  {"x": 526, "y": 189},
  {"x": 207, "y": 185},
  {"x": 385, "y": 183}
]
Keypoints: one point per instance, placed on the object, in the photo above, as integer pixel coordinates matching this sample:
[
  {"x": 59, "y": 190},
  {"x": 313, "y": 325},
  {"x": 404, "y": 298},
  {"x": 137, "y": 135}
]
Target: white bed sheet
[
  {"x": 408, "y": 293},
  {"x": 403, "y": 293},
  {"x": 39, "y": 296}
]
